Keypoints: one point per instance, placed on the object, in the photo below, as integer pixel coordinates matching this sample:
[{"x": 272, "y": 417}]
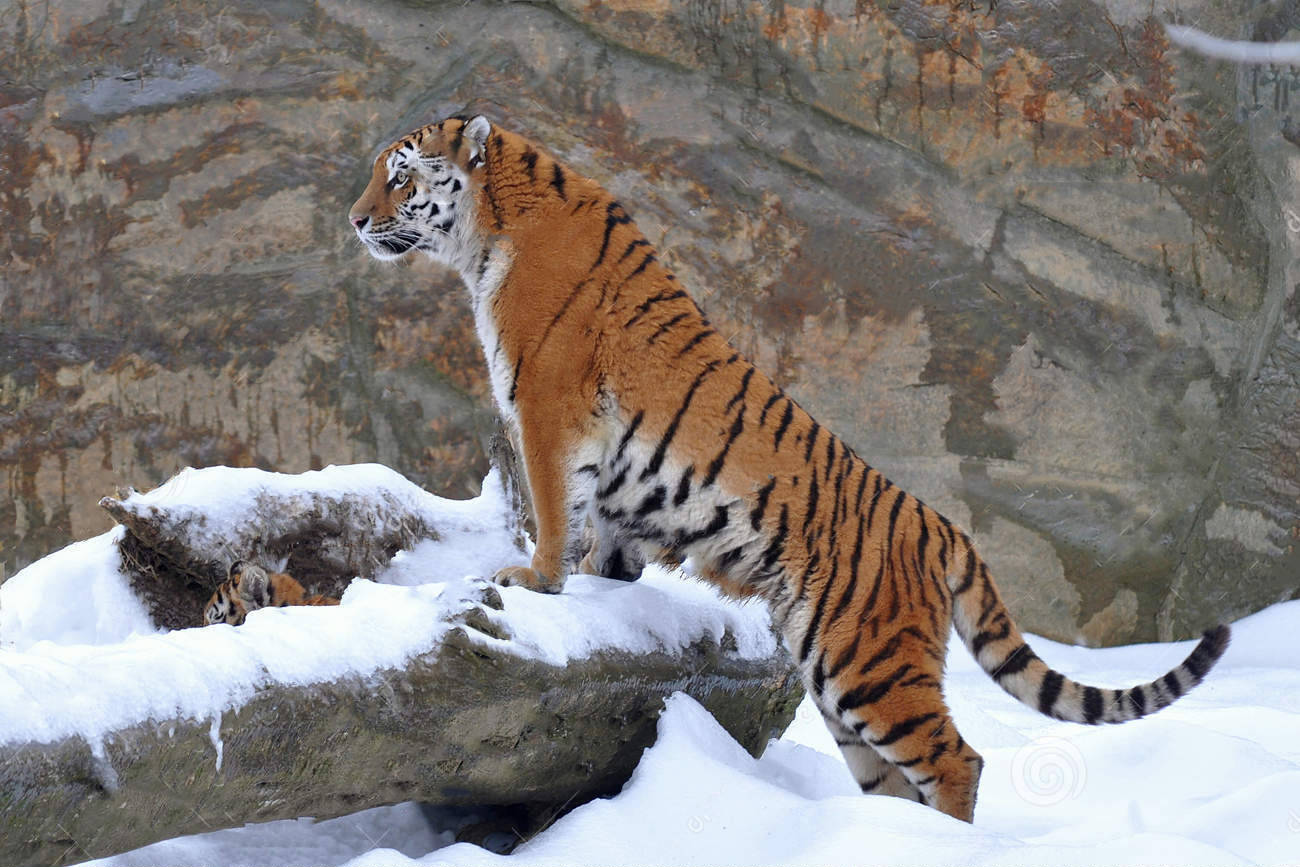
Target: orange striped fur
[
  {"x": 634, "y": 416},
  {"x": 251, "y": 587}
]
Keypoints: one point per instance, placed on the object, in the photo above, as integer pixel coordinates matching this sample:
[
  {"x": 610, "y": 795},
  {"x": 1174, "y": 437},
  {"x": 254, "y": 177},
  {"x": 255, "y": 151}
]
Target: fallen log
[{"x": 463, "y": 724}]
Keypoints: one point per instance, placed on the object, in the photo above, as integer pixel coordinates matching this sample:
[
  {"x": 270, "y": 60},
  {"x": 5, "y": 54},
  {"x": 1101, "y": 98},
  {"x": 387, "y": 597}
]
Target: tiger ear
[{"x": 477, "y": 131}]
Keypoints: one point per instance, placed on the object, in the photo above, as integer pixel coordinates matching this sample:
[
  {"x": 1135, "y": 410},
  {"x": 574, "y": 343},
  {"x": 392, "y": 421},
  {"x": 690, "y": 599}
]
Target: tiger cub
[
  {"x": 632, "y": 412},
  {"x": 251, "y": 587}
]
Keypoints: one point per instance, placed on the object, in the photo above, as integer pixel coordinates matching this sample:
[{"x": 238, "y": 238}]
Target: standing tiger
[{"x": 633, "y": 413}]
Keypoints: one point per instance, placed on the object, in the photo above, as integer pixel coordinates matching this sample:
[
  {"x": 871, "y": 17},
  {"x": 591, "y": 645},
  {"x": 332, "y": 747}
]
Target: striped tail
[{"x": 983, "y": 622}]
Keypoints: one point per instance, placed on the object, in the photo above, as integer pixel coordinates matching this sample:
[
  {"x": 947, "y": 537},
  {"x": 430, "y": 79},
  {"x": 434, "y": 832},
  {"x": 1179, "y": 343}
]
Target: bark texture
[
  {"x": 1032, "y": 262},
  {"x": 461, "y": 725}
]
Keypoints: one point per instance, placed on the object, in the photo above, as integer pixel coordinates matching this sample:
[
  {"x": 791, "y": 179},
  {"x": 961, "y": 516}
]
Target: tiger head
[
  {"x": 247, "y": 589},
  {"x": 423, "y": 193}
]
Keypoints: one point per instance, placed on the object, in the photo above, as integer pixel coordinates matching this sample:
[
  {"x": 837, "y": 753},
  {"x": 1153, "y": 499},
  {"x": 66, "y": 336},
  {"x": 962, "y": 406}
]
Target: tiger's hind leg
[
  {"x": 901, "y": 716},
  {"x": 873, "y": 773}
]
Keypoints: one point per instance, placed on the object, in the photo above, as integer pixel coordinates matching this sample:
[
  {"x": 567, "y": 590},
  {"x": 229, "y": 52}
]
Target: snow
[
  {"x": 1214, "y": 779},
  {"x": 63, "y": 671}
]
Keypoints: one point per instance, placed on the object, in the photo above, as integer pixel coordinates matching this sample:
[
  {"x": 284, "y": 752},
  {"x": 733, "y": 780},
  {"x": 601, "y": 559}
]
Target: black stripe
[
  {"x": 1139, "y": 699},
  {"x": 875, "y": 587},
  {"x": 903, "y": 729},
  {"x": 564, "y": 308},
  {"x": 684, "y": 486},
  {"x": 814, "y": 626},
  {"x": 1210, "y": 648},
  {"x": 627, "y": 434},
  {"x": 639, "y": 242},
  {"x": 1171, "y": 682},
  {"x": 664, "y": 327},
  {"x": 871, "y": 693},
  {"x": 557, "y": 179},
  {"x": 695, "y": 341},
  {"x": 893, "y": 517},
  {"x": 777, "y": 546},
  {"x": 644, "y": 306},
  {"x": 657, "y": 459},
  {"x": 614, "y": 216},
  {"x": 814, "y": 494},
  {"x": 589, "y": 469},
  {"x": 756, "y": 516},
  {"x": 739, "y": 395},
  {"x": 1017, "y": 661},
  {"x": 1092, "y": 704},
  {"x": 514, "y": 380},
  {"x": 614, "y": 485},
  {"x": 879, "y": 489},
  {"x": 924, "y": 541},
  {"x": 653, "y": 502},
  {"x": 890, "y": 648},
  {"x": 818, "y": 679},
  {"x": 715, "y": 526},
  {"x": 785, "y": 423},
  {"x": 853, "y": 577},
  {"x": 762, "y": 417},
  {"x": 989, "y": 636},
  {"x": 1050, "y": 691},
  {"x": 729, "y": 557},
  {"x": 716, "y": 466},
  {"x": 649, "y": 257},
  {"x": 812, "y": 438},
  {"x": 529, "y": 159},
  {"x": 830, "y": 456},
  {"x": 846, "y": 656}
]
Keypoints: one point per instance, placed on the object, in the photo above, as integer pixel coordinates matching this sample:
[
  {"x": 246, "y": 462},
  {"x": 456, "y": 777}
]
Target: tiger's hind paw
[{"x": 526, "y": 576}]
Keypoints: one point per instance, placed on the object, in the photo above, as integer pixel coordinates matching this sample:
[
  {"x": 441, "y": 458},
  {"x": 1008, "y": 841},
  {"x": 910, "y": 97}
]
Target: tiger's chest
[{"x": 501, "y": 369}]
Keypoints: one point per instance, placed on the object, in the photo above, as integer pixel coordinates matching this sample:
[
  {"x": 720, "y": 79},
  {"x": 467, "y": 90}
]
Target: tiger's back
[{"x": 634, "y": 414}]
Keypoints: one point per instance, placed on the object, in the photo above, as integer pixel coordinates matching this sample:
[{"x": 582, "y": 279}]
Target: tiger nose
[{"x": 358, "y": 221}]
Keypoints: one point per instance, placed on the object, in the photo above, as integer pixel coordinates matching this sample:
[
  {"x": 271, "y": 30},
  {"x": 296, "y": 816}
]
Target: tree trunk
[{"x": 462, "y": 724}]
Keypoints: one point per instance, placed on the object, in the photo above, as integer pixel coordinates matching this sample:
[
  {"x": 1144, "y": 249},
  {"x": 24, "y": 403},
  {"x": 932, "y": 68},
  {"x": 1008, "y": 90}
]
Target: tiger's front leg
[{"x": 561, "y": 492}]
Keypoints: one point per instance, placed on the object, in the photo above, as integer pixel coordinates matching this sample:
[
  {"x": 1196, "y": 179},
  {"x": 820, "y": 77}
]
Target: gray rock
[{"x": 1028, "y": 259}]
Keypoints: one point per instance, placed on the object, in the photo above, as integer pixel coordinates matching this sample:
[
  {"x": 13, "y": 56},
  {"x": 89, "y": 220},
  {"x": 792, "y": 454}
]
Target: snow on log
[
  {"x": 324, "y": 528},
  {"x": 423, "y": 685}
]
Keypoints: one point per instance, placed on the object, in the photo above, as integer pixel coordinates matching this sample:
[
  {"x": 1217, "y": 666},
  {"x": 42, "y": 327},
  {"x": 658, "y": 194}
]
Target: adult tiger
[{"x": 634, "y": 413}]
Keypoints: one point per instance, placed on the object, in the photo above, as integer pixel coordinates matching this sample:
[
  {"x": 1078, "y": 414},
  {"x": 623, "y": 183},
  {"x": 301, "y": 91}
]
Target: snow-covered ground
[{"x": 1214, "y": 779}]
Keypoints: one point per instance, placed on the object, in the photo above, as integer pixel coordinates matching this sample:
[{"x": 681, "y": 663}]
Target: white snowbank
[
  {"x": 1213, "y": 780},
  {"x": 64, "y": 671},
  {"x": 74, "y": 596}
]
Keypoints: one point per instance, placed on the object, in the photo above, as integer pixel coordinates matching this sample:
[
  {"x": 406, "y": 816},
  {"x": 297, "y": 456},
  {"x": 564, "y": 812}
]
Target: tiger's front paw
[{"x": 526, "y": 576}]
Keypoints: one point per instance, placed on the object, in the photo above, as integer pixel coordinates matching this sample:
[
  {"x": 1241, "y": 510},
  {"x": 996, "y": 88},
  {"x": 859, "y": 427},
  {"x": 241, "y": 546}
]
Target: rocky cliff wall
[{"x": 1027, "y": 258}]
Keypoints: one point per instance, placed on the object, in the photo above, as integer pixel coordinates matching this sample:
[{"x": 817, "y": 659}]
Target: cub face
[{"x": 423, "y": 194}]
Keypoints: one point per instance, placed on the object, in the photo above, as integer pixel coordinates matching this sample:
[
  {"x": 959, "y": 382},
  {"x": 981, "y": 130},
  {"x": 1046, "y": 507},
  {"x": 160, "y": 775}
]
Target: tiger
[
  {"x": 251, "y": 587},
  {"x": 636, "y": 417}
]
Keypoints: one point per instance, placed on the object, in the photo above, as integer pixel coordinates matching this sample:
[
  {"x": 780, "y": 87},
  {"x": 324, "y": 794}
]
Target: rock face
[{"x": 1029, "y": 260}]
